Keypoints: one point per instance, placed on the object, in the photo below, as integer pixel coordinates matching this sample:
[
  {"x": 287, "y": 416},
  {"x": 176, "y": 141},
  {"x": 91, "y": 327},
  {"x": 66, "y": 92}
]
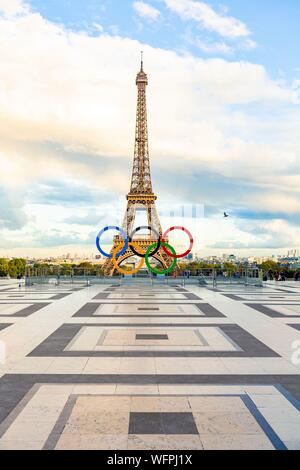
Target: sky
[{"x": 223, "y": 111}]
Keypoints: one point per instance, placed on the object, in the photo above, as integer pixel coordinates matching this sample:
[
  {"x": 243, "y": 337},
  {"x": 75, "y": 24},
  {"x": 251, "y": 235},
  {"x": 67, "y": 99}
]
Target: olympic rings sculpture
[{"x": 128, "y": 242}]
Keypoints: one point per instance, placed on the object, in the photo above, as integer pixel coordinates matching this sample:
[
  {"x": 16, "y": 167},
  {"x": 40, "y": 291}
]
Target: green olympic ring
[{"x": 164, "y": 271}]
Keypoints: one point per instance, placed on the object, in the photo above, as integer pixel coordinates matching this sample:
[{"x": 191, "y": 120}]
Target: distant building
[{"x": 295, "y": 253}]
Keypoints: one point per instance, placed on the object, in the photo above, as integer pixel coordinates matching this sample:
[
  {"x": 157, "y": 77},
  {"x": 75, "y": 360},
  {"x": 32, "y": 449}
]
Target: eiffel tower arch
[{"x": 141, "y": 195}]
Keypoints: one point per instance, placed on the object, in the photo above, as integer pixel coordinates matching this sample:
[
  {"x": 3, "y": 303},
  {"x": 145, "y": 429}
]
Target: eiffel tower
[{"x": 141, "y": 196}]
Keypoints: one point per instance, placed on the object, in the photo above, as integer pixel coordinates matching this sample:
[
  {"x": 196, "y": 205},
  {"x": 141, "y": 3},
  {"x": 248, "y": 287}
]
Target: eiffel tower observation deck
[{"x": 141, "y": 196}]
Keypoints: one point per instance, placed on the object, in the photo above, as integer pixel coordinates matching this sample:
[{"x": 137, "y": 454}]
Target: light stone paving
[
  {"x": 141, "y": 309},
  {"x": 142, "y": 367},
  {"x": 11, "y": 309}
]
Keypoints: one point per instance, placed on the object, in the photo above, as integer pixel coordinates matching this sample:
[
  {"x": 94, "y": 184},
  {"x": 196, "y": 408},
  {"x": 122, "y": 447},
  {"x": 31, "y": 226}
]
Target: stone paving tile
[
  {"x": 226, "y": 423},
  {"x": 160, "y": 404},
  {"x": 95, "y": 423},
  {"x": 102, "y": 382},
  {"x": 236, "y": 442},
  {"x": 67, "y": 441},
  {"x": 165, "y": 442}
]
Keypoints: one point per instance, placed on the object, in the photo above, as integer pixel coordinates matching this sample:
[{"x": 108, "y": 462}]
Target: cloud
[
  {"x": 23, "y": 243},
  {"x": 98, "y": 27},
  {"x": 56, "y": 238},
  {"x": 12, "y": 214},
  {"x": 213, "y": 47},
  {"x": 222, "y": 47},
  {"x": 144, "y": 10},
  {"x": 268, "y": 234},
  {"x": 67, "y": 117},
  {"x": 248, "y": 45},
  {"x": 67, "y": 193},
  {"x": 74, "y": 107},
  {"x": 13, "y": 7},
  {"x": 89, "y": 219},
  {"x": 208, "y": 18},
  {"x": 210, "y": 46}
]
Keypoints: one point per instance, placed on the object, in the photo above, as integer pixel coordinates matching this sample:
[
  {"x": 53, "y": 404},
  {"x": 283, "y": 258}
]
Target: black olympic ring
[{"x": 151, "y": 230}]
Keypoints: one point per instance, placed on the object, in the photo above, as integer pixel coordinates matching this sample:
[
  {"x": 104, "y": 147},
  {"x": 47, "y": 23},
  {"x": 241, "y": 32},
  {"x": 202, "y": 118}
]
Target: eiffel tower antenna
[
  {"x": 141, "y": 196},
  {"x": 141, "y": 177}
]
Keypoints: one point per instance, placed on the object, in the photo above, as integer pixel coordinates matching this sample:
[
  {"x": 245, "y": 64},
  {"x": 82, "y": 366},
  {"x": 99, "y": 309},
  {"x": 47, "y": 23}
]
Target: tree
[
  {"x": 16, "y": 267},
  {"x": 4, "y": 268},
  {"x": 269, "y": 265},
  {"x": 65, "y": 269},
  {"x": 230, "y": 268},
  {"x": 85, "y": 265}
]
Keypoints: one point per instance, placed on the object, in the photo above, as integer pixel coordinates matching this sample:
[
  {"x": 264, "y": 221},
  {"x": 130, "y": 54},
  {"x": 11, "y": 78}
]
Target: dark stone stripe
[
  {"x": 5, "y": 325},
  {"x": 101, "y": 296},
  {"x": 294, "y": 325},
  {"x": 87, "y": 310},
  {"x": 60, "y": 296},
  {"x": 151, "y": 316},
  {"x": 155, "y": 325},
  {"x": 247, "y": 342},
  {"x": 288, "y": 291},
  {"x": 209, "y": 311},
  {"x": 263, "y": 423},
  {"x": 151, "y": 336},
  {"x": 11, "y": 382},
  {"x": 152, "y": 302},
  {"x": 28, "y": 310},
  {"x": 137, "y": 298},
  {"x": 148, "y": 308},
  {"x": 146, "y": 353},
  {"x": 192, "y": 297},
  {"x": 12, "y": 390},
  {"x": 57, "y": 341},
  {"x": 232, "y": 296},
  {"x": 60, "y": 424},
  {"x": 269, "y": 312}
]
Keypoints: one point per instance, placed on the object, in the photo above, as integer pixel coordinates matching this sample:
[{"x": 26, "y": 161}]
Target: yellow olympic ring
[{"x": 124, "y": 271}]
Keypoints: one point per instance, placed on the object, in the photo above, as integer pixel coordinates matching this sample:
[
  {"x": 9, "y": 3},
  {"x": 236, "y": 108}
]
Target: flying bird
[{"x": 225, "y": 215}]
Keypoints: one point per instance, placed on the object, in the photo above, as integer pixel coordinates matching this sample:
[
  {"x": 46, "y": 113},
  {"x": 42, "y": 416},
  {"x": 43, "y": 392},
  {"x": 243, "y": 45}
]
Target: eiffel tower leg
[
  {"x": 108, "y": 268},
  {"x": 165, "y": 260}
]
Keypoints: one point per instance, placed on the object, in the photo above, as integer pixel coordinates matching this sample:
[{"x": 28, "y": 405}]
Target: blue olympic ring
[{"x": 121, "y": 252}]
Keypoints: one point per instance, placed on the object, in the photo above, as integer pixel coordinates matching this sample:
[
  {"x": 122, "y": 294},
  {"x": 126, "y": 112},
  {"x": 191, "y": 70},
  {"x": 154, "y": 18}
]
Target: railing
[
  {"x": 212, "y": 278},
  {"x": 72, "y": 276},
  {"x": 216, "y": 277}
]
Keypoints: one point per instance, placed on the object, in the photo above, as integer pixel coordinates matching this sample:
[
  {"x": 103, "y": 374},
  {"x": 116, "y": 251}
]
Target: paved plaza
[{"x": 135, "y": 366}]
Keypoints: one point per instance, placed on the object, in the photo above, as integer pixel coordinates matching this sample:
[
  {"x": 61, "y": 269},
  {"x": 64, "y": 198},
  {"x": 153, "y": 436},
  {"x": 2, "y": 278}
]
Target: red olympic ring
[{"x": 183, "y": 255}]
